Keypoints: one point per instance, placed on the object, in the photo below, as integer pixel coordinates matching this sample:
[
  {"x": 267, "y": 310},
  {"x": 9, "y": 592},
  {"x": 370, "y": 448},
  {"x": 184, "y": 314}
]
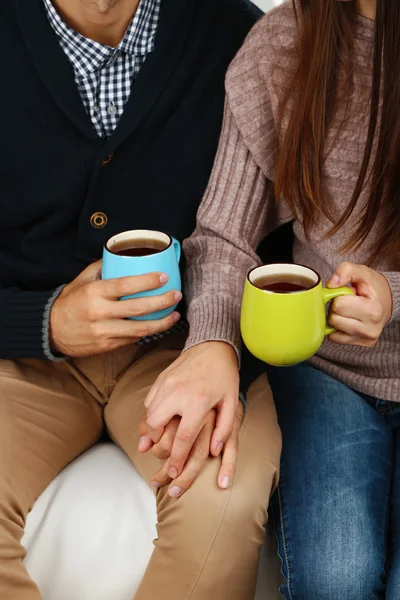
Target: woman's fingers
[
  {"x": 345, "y": 324},
  {"x": 353, "y": 307},
  {"x": 161, "y": 477},
  {"x": 350, "y": 340},
  {"x": 225, "y": 423},
  {"x": 230, "y": 452}
]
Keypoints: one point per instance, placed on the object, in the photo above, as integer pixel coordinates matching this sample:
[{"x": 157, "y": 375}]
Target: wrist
[
  {"x": 50, "y": 347},
  {"x": 392, "y": 279},
  {"x": 212, "y": 345}
]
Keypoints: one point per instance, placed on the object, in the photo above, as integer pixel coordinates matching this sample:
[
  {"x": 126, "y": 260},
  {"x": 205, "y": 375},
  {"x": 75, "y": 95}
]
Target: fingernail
[
  {"x": 225, "y": 482},
  {"x": 334, "y": 280},
  {"x": 177, "y": 317},
  {"x": 173, "y": 473},
  {"x": 219, "y": 448},
  {"x": 155, "y": 484},
  {"x": 175, "y": 491},
  {"x": 142, "y": 443},
  {"x": 178, "y": 297},
  {"x": 163, "y": 278}
]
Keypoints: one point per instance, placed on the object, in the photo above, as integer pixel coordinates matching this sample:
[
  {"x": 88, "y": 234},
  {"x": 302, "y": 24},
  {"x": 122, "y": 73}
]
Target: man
[{"x": 111, "y": 117}]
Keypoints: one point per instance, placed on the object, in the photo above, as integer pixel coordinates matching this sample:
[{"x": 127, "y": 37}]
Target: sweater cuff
[
  {"x": 49, "y": 354},
  {"x": 21, "y": 324},
  {"x": 393, "y": 278},
  {"x": 214, "y": 318}
]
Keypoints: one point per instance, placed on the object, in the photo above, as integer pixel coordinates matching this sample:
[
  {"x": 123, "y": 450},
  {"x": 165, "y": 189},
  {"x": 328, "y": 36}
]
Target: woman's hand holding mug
[
  {"x": 359, "y": 320},
  {"x": 283, "y": 320}
]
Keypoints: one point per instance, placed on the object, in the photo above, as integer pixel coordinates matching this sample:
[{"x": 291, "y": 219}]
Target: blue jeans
[{"x": 337, "y": 508}]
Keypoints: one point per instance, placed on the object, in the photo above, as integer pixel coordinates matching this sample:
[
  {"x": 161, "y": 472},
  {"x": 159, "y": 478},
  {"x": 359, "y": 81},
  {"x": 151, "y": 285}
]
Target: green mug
[{"x": 284, "y": 328}]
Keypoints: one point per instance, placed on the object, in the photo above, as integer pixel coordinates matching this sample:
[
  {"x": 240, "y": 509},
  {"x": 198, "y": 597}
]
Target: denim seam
[
  {"x": 278, "y": 545},
  {"x": 289, "y": 575}
]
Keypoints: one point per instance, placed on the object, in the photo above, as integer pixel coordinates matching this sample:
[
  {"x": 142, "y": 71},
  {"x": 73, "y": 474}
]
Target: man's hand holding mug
[{"x": 88, "y": 317}]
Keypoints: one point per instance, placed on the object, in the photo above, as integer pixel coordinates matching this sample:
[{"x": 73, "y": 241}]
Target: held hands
[
  {"x": 360, "y": 320},
  {"x": 88, "y": 318},
  {"x": 193, "y": 409},
  {"x": 198, "y": 455}
]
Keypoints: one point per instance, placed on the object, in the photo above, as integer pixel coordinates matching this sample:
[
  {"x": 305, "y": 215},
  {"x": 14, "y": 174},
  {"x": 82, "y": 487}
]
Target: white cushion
[{"x": 89, "y": 536}]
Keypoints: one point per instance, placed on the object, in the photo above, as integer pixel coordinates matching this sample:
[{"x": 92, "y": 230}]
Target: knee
[
  {"x": 248, "y": 498},
  {"x": 241, "y": 506}
]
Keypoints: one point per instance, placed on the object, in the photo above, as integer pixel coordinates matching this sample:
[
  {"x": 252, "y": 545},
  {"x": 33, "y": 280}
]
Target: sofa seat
[{"x": 89, "y": 536}]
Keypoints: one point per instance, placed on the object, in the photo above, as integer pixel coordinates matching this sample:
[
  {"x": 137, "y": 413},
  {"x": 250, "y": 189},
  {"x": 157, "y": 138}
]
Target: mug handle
[
  {"x": 177, "y": 248},
  {"x": 330, "y": 294}
]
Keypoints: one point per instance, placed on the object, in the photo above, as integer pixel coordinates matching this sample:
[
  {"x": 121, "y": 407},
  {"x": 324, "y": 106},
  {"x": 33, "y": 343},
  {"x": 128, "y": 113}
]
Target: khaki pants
[{"x": 208, "y": 540}]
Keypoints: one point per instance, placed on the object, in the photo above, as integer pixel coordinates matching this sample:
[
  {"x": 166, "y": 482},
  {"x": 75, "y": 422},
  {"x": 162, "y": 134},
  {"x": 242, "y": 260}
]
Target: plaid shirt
[{"x": 104, "y": 75}]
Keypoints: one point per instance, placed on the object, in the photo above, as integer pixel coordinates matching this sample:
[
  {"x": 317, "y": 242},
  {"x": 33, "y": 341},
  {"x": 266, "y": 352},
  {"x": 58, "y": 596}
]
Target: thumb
[
  {"x": 346, "y": 273},
  {"x": 91, "y": 273},
  {"x": 145, "y": 441}
]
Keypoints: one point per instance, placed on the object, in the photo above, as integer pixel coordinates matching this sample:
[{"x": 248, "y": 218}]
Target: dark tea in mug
[
  {"x": 138, "y": 247},
  {"x": 284, "y": 284}
]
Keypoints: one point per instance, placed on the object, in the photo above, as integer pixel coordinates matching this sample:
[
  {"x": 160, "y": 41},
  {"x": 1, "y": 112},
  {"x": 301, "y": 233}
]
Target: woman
[{"x": 312, "y": 135}]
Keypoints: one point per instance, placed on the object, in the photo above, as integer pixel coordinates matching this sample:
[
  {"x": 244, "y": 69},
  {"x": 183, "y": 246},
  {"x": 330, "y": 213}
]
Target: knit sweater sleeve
[
  {"x": 393, "y": 278},
  {"x": 238, "y": 208},
  {"x": 24, "y": 323},
  {"x": 231, "y": 222}
]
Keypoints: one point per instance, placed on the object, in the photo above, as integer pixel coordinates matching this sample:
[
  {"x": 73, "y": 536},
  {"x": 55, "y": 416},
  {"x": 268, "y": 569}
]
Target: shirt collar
[{"x": 88, "y": 56}]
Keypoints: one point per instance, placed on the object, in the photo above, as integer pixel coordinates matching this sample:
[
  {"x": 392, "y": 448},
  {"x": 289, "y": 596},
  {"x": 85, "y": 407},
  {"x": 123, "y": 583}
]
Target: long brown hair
[{"x": 325, "y": 41}]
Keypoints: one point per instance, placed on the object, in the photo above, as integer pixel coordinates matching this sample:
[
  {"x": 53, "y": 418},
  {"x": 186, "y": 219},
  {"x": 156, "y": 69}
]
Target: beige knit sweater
[{"x": 238, "y": 209}]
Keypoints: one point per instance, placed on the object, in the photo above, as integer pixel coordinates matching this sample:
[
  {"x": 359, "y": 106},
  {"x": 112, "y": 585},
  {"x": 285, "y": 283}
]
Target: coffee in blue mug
[{"x": 143, "y": 251}]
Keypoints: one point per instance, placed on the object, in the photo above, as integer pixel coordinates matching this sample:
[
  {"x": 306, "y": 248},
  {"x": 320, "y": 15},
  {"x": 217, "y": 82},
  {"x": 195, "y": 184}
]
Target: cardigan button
[
  {"x": 107, "y": 159},
  {"x": 98, "y": 220}
]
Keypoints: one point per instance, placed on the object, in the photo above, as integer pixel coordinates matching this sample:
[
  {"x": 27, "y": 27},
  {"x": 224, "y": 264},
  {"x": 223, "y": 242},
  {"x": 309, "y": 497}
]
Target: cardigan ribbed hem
[
  {"x": 214, "y": 318},
  {"x": 393, "y": 278},
  {"x": 21, "y": 324},
  {"x": 49, "y": 354}
]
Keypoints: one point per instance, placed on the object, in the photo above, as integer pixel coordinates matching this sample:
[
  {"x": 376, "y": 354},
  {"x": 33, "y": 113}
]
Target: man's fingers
[
  {"x": 147, "y": 305},
  {"x": 196, "y": 461},
  {"x": 145, "y": 441},
  {"x": 139, "y": 329},
  {"x": 162, "y": 449},
  {"x": 127, "y": 286},
  {"x": 188, "y": 430},
  {"x": 224, "y": 427},
  {"x": 156, "y": 434},
  {"x": 161, "y": 476}
]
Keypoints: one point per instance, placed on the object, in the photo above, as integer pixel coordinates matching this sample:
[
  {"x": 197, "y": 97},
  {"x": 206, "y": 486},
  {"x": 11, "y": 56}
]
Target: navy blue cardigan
[{"x": 56, "y": 174}]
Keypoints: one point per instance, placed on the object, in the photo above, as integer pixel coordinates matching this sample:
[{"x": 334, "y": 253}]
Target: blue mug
[{"x": 165, "y": 260}]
